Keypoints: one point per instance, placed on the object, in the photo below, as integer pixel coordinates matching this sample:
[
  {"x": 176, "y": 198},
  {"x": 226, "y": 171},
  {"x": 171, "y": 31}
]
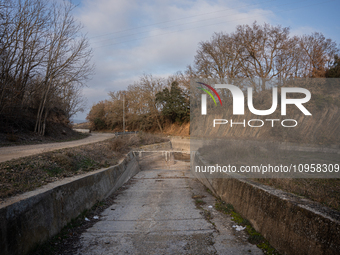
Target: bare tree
[
  {"x": 44, "y": 59},
  {"x": 67, "y": 56},
  {"x": 318, "y": 54},
  {"x": 22, "y": 46},
  {"x": 263, "y": 50},
  {"x": 70, "y": 99},
  {"x": 218, "y": 58},
  {"x": 149, "y": 87},
  {"x": 261, "y": 53}
]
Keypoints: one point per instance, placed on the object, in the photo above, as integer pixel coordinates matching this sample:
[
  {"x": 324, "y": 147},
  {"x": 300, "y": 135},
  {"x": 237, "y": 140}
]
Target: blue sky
[{"x": 132, "y": 37}]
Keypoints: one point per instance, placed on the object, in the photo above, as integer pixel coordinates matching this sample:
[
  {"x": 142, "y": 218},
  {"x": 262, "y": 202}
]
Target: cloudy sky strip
[{"x": 132, "y": 37}]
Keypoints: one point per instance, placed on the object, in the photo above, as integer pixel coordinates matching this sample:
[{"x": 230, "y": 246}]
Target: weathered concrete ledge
[
  {"x": 156, "y": 146},
  {"x": 196, "y": 142},
  {"x": 291, "y": 224},
  {"x": 180, "y": 143},
  {"x": 82, "y": 130},
  {"x": 31, "y": 218}
]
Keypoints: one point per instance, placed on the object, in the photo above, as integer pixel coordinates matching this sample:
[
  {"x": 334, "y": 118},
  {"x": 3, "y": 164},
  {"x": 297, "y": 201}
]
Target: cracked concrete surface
[{"x": 156, "y": 214}]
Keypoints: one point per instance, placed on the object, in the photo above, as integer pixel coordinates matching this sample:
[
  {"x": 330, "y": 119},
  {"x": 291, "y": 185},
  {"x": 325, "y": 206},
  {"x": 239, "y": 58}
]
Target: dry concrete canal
[{"x": 156, "y": 214}]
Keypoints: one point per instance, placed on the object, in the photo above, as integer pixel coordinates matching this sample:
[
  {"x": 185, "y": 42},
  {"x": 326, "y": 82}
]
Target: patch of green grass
[
  {"x": 53, "y": 170},
  {"x": 98, "y": 204},
  {"x": 254, "y": 236},
  {"x": 209, "y": 191},
  {"x": 199, "y": 202},
  {"x": 224, "y": 207},
  {"x": 238, "y": 219},
  {"x": 86, "y": 164}
]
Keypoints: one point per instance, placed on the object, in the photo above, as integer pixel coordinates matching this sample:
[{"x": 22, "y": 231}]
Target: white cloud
[
  {"x": 102, "y": 16},
  {"x": 160, "y": 49}
]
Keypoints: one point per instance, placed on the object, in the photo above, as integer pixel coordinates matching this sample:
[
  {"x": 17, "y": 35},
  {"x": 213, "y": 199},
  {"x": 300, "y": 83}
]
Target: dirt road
[{"x": 12, "y": 152}]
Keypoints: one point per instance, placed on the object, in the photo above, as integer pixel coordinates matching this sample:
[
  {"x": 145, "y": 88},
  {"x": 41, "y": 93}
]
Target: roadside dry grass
[
  {"x": 30, "y": 138},
  {"x": 25, "y": 174},
  {"x": 325, "y": 191}
]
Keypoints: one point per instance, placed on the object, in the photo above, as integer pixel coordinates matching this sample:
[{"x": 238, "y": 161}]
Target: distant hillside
[
  {"x": 82, "y": 125},
  {"x": 75, "y": 121}
]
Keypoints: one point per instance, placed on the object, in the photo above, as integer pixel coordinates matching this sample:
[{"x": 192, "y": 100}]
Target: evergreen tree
[
  {"x": 334, "y": 71},
  {"x": 174, "y": 104}
]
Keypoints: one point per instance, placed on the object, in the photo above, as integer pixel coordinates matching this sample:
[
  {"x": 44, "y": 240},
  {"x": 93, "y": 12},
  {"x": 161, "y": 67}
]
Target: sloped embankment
[
  {"x": 320, "y": 128},
  {"x": 291, "y": 224}
]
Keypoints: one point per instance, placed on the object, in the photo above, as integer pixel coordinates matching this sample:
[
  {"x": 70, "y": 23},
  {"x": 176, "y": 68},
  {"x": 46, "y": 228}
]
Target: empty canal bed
[{"x": 158, "y": 212}]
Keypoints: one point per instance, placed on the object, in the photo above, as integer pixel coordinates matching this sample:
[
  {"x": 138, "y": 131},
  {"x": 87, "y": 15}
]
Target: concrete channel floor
[{"x": 156, "y": 214}]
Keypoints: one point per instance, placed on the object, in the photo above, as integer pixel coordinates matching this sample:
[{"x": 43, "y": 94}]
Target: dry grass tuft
[
  {"x": 122, "y": 144},
  {"x": 118, "y": 144}
]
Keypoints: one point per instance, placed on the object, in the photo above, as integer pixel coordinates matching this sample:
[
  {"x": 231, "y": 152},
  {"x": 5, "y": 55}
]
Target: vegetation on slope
[
  {"x": 28, "y": 173},
  {"x": 45, "y": 61}
]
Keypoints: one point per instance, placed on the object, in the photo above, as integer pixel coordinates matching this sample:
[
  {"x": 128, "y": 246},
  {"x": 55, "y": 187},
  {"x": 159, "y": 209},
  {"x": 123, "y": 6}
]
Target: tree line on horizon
[
  {"x": 259, "y": 53},
  {"x": 44, "y": 63},
  {"x": 148, "y": 104}
]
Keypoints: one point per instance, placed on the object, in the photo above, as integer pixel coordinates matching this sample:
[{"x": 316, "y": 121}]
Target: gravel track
[{"x": 13, "y": 152}]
